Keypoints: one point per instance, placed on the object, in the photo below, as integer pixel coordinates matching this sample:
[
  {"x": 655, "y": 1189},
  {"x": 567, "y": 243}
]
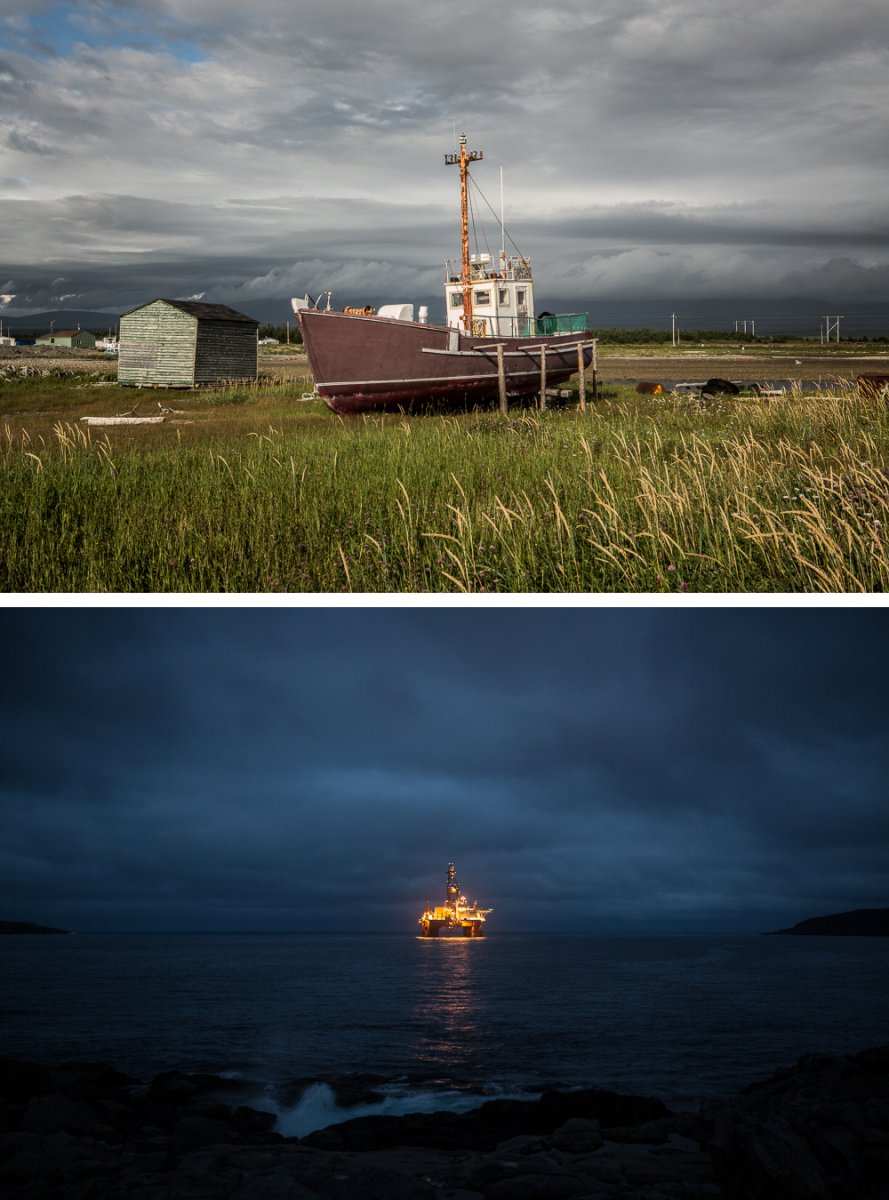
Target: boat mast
[{"x": 463, "y": 160}]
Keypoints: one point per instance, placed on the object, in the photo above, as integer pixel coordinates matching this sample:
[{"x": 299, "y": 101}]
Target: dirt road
[
  {"x": 753, "y": 368},
  {"x": 692, "y": 367}
]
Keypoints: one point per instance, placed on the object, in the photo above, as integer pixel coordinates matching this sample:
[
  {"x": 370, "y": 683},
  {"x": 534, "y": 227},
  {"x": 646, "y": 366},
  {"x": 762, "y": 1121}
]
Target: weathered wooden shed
[{"x": 181, "y": 343}]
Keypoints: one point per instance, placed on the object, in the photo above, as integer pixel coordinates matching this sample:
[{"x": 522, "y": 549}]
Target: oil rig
[{"x": 457, "y": 917}]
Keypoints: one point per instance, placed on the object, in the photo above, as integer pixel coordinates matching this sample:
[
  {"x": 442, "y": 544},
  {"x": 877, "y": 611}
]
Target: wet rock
[
  {"x": 434, "y": 1130},
  {"x": 525, "y": 1143},
  {"x": 649, "y": 1133},
  {"x": 537, "y": 1187},
  {"x": 56, "y": 1112},
  {"x": 578, "y": 1135},
  {"x": 254, "y": 1119},
  {"x": 172, "y": 1087},
  {"x": 192, "y": 1132},
  {"x": 815, "y": 1131},
  {"x": 20, "y": 1081}
]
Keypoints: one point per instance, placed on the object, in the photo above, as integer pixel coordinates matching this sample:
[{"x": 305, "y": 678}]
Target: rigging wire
[
  {"x": 484, "y": 230},
  {"x": 472, "y": 220},
  {"x": 474, "y": 187}
]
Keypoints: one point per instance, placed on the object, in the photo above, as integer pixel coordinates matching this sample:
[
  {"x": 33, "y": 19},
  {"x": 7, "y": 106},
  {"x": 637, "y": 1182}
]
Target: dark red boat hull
[{"x": 376, "y": 364}]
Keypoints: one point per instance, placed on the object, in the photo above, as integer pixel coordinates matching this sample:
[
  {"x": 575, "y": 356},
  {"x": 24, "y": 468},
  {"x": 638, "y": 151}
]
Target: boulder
[
  {"x": 20, "y": 1081},
  {"x": 193, "y": 1132},
  {"x": 578, "y": 1135},
  {"x": 56, "y": 1113},
  {"x": 816, "y": 1131}
]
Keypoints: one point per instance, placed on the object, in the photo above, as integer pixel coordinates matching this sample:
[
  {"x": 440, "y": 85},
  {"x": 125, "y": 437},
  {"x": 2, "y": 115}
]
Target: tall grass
[{"x": 638, "y": 494}]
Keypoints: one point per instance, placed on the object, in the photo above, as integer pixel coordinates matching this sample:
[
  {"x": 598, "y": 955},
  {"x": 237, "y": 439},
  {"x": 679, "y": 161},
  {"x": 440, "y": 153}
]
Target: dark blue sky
[{"x": 587, "y": 769}]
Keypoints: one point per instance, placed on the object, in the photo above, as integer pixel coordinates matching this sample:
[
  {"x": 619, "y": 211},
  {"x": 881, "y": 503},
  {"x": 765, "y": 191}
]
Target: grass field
[{"x": 248, "y": 489}]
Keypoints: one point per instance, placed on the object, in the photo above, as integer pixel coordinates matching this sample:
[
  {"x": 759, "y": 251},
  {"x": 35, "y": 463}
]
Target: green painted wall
[
  {"x": 161, "y": 346},
  {"x": 81, "y": 340},
  {"x": 157, "y": 344}
]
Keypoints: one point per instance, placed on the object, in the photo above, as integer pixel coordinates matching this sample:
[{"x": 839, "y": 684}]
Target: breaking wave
[{"x": 317, "y": 1107}]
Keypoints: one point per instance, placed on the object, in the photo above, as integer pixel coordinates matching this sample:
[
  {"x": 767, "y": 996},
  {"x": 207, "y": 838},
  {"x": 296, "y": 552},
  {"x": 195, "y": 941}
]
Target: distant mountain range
[
  {"x": 861, "y": 922},
  {"x": 63, "y": 318},
  {"x": 27, "y": 927},
  {"x": 267, "y": 312}
]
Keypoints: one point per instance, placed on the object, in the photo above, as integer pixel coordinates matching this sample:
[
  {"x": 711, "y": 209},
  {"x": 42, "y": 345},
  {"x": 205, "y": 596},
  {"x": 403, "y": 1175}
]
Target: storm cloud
[
  {"x": 309, "y": 769},
  {"x": 256, "y": 152}
]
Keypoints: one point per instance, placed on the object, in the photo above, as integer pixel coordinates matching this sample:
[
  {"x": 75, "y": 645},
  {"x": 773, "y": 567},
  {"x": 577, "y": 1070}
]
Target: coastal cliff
[
  {"x": 28, "y": 927},
  {"x": 861, "y": 922}
]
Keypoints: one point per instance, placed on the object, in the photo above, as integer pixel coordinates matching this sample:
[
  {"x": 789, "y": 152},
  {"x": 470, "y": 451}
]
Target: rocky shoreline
[{"x": 816, "y": 1131}]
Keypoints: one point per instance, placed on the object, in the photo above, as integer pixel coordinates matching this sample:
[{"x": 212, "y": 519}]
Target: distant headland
[
  {"x": 862, "y": 922},
  {"x": 28, "y": 927}
]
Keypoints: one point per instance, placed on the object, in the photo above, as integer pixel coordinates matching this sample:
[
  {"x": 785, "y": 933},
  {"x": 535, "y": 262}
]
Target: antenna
[{"x": 502, "y": 222}]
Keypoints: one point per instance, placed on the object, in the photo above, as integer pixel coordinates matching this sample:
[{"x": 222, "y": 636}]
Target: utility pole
[
  {"x": 674, "y": 328},
  {"x": 832, "y": 328}
]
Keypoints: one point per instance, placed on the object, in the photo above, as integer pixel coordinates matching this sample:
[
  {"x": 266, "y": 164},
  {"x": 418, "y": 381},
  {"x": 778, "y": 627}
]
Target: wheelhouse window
[
  {"x": 456, "y": 300},
  {"x": 482, "y": 298},
  {"x": 520, "y": 296},
  {"x": 504, "y": 295}
]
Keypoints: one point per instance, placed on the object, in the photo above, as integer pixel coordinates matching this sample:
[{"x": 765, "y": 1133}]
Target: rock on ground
[{"x": 816, "y": 1131}]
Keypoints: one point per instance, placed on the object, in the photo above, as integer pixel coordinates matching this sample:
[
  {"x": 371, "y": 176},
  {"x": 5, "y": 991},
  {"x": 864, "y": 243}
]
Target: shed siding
[
  {"x": 157, "y": 346},
  {"x": 225, "y": 350}
]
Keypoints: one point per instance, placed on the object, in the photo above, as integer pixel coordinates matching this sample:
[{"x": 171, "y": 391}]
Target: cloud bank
[{"x": 647, "y": 150}]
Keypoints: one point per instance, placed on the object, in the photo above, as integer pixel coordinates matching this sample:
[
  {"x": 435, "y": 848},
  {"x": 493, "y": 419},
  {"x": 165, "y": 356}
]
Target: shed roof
[
  {"x": 203, "y": 312},
  {"x": 63, "y": 332}
]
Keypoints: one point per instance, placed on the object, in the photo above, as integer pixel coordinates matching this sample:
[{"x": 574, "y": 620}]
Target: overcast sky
[
  {"x": 604, "y": 770},
  {"x": 246, "y": 151}
]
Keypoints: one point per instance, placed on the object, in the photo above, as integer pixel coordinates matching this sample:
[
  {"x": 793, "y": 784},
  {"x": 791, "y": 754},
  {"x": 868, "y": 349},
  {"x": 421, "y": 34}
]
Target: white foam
[{"x": 317, "y": 1107}]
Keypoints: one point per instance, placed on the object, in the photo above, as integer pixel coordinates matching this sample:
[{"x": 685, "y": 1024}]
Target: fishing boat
[{"x": 492, "y": 345}]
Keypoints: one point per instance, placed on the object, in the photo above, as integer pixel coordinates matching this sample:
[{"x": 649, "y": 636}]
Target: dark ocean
[{"x": 444, "y": 1023}]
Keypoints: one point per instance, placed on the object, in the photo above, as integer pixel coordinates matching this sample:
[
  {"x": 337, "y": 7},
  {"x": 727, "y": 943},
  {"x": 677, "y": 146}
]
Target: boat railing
[
  {"x": 483, "y": 267},
  {"x": 552, "y": 323}
]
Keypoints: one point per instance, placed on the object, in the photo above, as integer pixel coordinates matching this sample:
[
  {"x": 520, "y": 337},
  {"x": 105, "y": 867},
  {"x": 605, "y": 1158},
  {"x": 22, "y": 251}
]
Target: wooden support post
[
  {"x": 595, "y": 369},
  {"x": 501, "y": 379},
  {"x": 581, "y": 381},
  {"x": 542, "y": 404}
]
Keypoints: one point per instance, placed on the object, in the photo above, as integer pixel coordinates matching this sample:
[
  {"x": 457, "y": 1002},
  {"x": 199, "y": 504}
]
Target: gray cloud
[{"x": 686, "y": 147}]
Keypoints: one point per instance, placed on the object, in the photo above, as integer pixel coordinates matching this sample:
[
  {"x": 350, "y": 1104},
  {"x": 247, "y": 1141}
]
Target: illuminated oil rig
[{"x": 456, "y": 917}]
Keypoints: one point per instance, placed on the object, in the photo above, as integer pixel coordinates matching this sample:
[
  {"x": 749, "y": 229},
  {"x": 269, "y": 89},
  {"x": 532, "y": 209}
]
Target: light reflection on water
[
  {"x": 671, "y": 1016},
  {"x": 447, "y": 1001}
]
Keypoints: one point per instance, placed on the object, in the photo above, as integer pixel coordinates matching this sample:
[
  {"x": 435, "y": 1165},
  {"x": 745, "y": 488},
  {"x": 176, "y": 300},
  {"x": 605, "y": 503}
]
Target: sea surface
[{"x": 443, "y": 1023}]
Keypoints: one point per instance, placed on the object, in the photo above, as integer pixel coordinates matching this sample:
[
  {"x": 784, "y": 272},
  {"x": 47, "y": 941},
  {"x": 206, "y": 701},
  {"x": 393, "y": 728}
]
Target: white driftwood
[{"x": 123, "y": 420}]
